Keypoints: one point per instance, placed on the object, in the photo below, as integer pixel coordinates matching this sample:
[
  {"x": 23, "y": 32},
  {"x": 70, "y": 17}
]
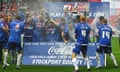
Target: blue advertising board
[{"x": 56, "y": 54}]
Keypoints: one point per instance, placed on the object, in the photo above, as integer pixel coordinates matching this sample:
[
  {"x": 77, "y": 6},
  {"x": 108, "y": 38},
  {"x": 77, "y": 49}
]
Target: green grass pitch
[{"x": 110, "y": 66}]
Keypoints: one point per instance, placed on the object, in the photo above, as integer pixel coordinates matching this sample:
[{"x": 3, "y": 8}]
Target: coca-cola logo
[{"x": 66, "y": 50}]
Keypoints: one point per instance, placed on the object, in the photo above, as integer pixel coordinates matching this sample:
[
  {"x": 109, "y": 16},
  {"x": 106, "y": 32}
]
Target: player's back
[
  {"x": 82, "y": 31},
  {"x": 105, "y": 33}
]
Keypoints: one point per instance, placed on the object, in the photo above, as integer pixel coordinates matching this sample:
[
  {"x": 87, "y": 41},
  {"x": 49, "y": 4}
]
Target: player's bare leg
[
  {"x": 75, "y": 63},
  {"x": 114, "y": 60}
]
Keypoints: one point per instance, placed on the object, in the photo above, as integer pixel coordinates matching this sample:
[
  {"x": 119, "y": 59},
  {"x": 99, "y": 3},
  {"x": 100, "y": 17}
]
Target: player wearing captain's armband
[
  {"x": 105, "y": 35},
  {"x": 82, "y": 32}
]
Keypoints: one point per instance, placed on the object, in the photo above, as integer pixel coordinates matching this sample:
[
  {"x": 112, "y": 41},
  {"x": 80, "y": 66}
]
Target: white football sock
[
  {"x": 87, "y": 62},
  {"x": 113, "y": 59},
  {"x": 19, "y": 59},
  {"x": 5, "y": 57},
  {"x": 75, "y": 63}
]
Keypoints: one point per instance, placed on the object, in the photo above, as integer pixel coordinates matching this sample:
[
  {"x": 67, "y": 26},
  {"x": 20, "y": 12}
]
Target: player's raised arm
[{"x": 54, "y": 22}]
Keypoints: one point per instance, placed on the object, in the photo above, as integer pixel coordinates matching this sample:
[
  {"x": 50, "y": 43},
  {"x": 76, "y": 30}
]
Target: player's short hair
[
  {"x": 101, "y": 18},
  {"x": 83, "y": 18},
  {"x": 17, "y": 17},
  {"x": 104, "y": 21}
]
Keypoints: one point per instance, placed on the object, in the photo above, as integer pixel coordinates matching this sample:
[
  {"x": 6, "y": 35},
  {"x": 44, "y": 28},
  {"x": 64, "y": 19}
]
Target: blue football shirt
[
  {"x": 82, "y": 32},
  {"x": 15, "y": 34},
  {"x": 105, "y": 33}
]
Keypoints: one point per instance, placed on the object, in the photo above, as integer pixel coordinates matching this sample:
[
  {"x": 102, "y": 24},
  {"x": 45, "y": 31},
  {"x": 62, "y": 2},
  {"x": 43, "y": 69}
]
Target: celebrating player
[
  {"x": 3, "y": 37},
  {"x": 14, "y": 41},
  {"x": 105, "y": 34},
  {"x": 82, "y": 32}
]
